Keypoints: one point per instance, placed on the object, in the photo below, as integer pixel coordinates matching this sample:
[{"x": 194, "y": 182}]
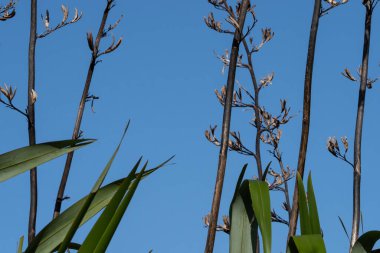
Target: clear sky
[{"x": 163, "y": 78}]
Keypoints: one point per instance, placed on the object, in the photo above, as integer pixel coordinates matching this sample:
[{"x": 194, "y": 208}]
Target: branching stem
[
  {"x": 78, "y": 121},
  {"x": 359, "y": 125},
  {"x": 225, "y": 129}
]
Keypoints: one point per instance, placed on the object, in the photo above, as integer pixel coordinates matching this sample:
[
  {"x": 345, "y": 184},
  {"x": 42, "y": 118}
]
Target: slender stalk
[
  {"x": 306, "y": 113},
  {"x": 278, "y": 156},
  {"x": 31, "y": 117},
  {"x": 257, "y": 155},
  {"x": 78, "y": 121},
  {"x": 359, "y": 125},
  {"x": 225, "y": 129},
  {"x": 257, "y": 112}
]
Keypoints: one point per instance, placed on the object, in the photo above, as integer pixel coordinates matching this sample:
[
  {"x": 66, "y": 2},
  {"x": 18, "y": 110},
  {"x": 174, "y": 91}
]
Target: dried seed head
[
  {"x": 348, "y": 75},
  {"x": 345, "y": 142},
  {"x": 226, "y": 221},
  {"x": 267, "y": 80},
  {"x": 233, "y": 22},
  {"x": 65, "y": 12},
  {"x": 206, "y": 220},
  {"x": 370, "y": 82},
  {"x": 47, "y": 20},
  {"x": 33, "y": 96},
  {"x": 8, "y": 92},
  {"x": 267, "y": 34},
  {"x": 76, "y": 16},
  {"x": 332, "y": 146},
  {"x": 332, "y": 2}
]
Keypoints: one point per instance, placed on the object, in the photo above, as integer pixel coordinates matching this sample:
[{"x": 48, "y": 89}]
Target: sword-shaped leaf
[{"x": 23, "y": 159}]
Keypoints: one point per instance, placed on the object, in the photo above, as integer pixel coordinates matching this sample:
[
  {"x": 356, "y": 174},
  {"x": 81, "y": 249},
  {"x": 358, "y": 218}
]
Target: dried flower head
[
  {"x": 345, "y": 142},
  {"x": 267, "y": 80},
  {"x": 8, "y": 92},
  {"x": 348, "y": 75},
  {"x": 333, "y": 146},
  {"x": 267, "y": 34},
  {"x": 332, "y": 2},
  {"x": 64, "y": 22},
  {"x": 7, "y": 11},
  {"x": 210, "y": 136},
  {"x": 33, "y": 96},
  {"x": 370, "y": 82}
]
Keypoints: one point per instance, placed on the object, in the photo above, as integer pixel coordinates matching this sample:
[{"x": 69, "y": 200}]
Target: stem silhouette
[
  {"x": 31, "y": 117},
  {"x": 76, "y": 132},
  {"x": 359, "y": 124},
  {"x": 225, "y": 129},
  {"x": 306, "y": 113}
]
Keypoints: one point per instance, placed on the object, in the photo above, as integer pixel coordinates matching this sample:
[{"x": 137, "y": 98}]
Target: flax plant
[
  {"x": 318, "y": 11},
  {"x": 9, "y": 92},
  {"x": 332, "y": 145},
  {"x": 267, "y": 125},
  {"x": 96, "y": 53},
  {"x": 238, "y": 24},
  {"x": 32, "y": 96}
]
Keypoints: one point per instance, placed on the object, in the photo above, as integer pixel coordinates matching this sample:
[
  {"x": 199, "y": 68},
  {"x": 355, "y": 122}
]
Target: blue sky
[{"x": 163, "y": 78}]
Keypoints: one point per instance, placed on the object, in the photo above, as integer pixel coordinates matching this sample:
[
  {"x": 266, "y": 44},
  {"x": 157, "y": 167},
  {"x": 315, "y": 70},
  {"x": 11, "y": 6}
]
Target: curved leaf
[
  {"x": 77, "y": 220},
  {"x": 110, "y": 229},
  {"x": 242, "y": 234},
  {"x": 53, "y": 234},
  {"x": 95, "y": 234},
  {"x": 306, "y": 244},
  {"x": 237, "y": 188},
  {"x": 313, "y": 210},
  {"x": 366, "y": 242},
  {"x": 23, "y": 159},
  {"x": 303, "y": 206},
  {"x": 259, "y": 191}
]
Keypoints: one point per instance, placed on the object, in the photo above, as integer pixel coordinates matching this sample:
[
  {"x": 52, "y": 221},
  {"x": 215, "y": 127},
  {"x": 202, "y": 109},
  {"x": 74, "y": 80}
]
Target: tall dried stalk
[
  {"x": 257, "y": 110},
  {"x": 94, "y": 47},
  {"x": 32, "y": 96},
  {"x": 306, "y": 112},
  {"x": 31, "y": 117},
  {"x": 369, "y": 6},
  {"x": 225, "y": 128},
  {"x": 256, "y": 98}
]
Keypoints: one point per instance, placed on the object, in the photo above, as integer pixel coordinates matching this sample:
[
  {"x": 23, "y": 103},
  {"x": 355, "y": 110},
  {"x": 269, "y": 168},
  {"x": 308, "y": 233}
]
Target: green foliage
[
  {"x": 250, "y": 210},
  {"x": 311, "y": 240},
  {"x": 20, "y": 243},
  {"x": 23, "y": 159},
  {"x": 114, "y": 197},
  {"x": 366, "y": 242},
  {"x": 259, "y": 192},
  {"x": 243, "y": 233},
  {"x": 76, "y": 222},
  {"x": 311, "y": 243}
]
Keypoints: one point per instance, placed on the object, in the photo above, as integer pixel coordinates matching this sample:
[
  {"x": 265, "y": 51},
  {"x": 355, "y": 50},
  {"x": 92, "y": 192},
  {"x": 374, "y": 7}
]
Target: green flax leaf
[
  {"x": 259, "y": 191},
  {"x": 313, "y": 210},
  {"x": 23, "y": 159}
]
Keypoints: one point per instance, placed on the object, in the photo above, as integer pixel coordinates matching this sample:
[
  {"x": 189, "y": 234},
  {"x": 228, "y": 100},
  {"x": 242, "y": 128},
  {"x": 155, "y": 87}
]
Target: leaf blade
[
  {"x": 23, "y": 159},
  {"x": 118, "y": 215},
  {"x": 303, "y": 206},
  {"x": 313, "y": 210},
  {"x": 259, "y": 192},
  {"x": 311, "y": 243}
]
